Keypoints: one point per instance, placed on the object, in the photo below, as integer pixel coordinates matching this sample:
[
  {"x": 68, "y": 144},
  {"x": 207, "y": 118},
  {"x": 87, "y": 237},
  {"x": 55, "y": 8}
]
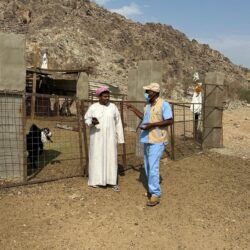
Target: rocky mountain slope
[{"x": 79, "y": 33}]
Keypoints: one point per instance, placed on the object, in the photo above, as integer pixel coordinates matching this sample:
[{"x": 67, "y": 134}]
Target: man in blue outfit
[{"x": 156, "y": 118}]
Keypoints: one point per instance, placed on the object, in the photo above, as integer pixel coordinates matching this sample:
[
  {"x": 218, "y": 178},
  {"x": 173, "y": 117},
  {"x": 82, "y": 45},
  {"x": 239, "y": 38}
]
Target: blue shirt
[{"x": 166, "y": 113}]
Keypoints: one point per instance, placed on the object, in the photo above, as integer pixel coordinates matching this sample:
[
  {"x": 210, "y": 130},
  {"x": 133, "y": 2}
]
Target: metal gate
[
  {"x": 24, "y": 159},
  {"x": 187, "y": 131}
]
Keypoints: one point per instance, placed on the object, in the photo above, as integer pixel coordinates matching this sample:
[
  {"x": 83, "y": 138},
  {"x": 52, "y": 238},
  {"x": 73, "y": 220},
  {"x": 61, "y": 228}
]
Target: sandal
[
  {"x": 116, "y": 188},
  {"x": 153, "y": 201}
]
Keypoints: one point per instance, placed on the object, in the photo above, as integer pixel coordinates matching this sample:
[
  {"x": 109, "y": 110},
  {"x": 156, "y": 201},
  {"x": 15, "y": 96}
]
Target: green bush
[{"x": 245, "y": 95}]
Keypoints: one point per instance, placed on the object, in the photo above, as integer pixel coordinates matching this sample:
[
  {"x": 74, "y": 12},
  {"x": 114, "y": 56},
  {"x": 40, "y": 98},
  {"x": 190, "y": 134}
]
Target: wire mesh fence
[
  {"x": 56, "y": 141},
  {"x": 44, "y": 137},
  {"x": 134, "y": 149},
  {"x": 187, "y": 129},
  {"x": 42, "y": 145},
  {"x": 11, "y": 137}
]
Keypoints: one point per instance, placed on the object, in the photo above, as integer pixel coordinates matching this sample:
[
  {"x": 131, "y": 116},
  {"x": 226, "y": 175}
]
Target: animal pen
[
  {"x": 56, "y": 103},
  {"x": 67, "y": 155}
]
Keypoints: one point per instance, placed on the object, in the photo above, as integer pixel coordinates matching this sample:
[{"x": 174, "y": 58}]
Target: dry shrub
[
  {"x": 90, "y": 67},
  {"x": 119, "y": 72},
  {"x": 120, "y": 61},
  {"x": 168, "y": 89},
  {"x": 232, "y": 89},
  {"x": 245, "y": 95},
  {"x": 186, "y": 83}
]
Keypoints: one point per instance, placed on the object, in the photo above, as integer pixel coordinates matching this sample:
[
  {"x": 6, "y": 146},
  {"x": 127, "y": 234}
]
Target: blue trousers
[{"x": 152, "y": 157}]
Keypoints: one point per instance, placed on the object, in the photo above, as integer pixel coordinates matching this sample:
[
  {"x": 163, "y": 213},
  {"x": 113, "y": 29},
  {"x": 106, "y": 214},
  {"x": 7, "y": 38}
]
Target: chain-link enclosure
[
  {"x": 187, "y": 130},
  {"x": 47, "y": 146},
  {"x": 12, "y": 140},
  {"x": 57, "y": 154},
  {"x": 52, "y": 141}
]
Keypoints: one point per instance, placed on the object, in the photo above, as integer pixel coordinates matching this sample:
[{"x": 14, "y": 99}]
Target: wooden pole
[
  {"x": 57, "y": 107},
  {"x": 33, "y": 100}
]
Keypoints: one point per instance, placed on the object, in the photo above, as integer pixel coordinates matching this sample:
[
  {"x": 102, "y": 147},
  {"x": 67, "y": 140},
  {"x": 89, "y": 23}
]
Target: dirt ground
[
  {"x": 205, "y": 205},
  {"x": 236, "y": 125}
]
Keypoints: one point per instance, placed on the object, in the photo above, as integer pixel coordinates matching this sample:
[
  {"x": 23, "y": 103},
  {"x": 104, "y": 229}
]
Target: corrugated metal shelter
[
  {"x": 59, "y": 83},
  {"x": 116, "y": 94}
]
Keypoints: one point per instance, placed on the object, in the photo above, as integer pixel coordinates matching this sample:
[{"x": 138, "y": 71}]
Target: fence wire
[
  {"x": 40, "y": 145},
  {"x": 187, "y": 129},
  {"x": 43, "y": 137},
  {"x": 11, "y": 137}
]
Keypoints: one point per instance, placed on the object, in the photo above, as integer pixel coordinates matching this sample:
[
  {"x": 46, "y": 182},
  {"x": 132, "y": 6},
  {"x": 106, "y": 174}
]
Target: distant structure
[
  {"x": 196, "y": 77},
  {"x": 196, "y": 103},
  {"x": 44, "y": 61}
]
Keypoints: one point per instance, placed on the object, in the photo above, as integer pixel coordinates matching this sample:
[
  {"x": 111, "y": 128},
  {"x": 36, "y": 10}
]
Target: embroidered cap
[{"x": 101, "y": 90}]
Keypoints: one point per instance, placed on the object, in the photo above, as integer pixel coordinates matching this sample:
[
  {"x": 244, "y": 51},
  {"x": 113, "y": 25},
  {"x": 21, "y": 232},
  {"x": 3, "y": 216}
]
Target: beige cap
[{"x": 153, "y": 87}]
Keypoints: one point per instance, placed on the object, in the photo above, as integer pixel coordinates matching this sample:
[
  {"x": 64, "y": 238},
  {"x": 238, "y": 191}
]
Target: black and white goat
[{"x": 34, "y": 143}]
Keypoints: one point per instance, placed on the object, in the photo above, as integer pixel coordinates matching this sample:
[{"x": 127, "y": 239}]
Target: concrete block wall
[
  {"x": 12, "y": 79},
  {"x": 12, "y": 62},
  {"x": 213, "y": 110},
  {"x": 148, "y": 71},
  {"x": 82, "y": 86}
]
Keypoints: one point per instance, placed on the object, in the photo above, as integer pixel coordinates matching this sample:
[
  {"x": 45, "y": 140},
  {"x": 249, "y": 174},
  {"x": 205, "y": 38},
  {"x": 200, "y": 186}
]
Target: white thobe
[
  {"x": 103, "y": 165},
  {"x": 196, "y": 103}
]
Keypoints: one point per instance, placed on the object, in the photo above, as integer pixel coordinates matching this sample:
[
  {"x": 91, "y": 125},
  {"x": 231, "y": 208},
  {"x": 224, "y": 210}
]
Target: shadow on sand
[{"x": 46, "y": 158}]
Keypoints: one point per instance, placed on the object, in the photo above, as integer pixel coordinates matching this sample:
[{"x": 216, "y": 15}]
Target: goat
[
  {"x": 34, "y": 143},
  {"x": 68, "y": 107}
]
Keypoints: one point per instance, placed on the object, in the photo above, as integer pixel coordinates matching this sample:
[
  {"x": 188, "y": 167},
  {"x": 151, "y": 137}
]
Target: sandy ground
[
  {"x": 236, "y": 126},
  {"x": 205, "y": 205}
]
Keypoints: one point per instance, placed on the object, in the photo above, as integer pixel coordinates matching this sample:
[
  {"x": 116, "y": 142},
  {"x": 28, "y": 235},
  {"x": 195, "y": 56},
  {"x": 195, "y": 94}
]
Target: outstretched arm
[{"x": 137, "y": 112}]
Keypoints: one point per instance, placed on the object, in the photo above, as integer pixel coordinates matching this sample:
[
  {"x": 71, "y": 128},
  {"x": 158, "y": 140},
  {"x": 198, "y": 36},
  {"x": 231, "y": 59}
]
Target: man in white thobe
[
  {"x": 106, "y": 131},
  {"x": 196, "y": 105}
]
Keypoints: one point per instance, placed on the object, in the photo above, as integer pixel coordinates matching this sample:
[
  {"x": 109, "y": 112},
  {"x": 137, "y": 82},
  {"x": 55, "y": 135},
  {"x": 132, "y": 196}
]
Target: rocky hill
[{"x": 79, "y": 33}]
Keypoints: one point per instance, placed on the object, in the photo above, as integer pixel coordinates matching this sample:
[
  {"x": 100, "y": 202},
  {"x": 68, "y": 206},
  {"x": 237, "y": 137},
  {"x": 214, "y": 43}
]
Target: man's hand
[
  {"x": 129, "y": 106},
  {"x": 146, "y": 126},
  {"x": 95, "y": 121},
  {"x": 134, "y": 109}
]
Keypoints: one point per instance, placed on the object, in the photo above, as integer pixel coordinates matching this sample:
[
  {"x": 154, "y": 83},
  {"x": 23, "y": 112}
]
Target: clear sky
[{"x": 223, "y": 24}]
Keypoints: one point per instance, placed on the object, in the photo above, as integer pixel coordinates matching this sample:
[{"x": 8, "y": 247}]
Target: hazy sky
[{"x": 223, "y": 24}]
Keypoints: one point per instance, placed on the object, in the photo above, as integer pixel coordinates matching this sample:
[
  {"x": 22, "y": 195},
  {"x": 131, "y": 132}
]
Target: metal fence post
[
  {"x": 33, "y": 97},
  {"x": 172, "y": 129},
  {"x": 194, "y": 131},
  {"x": 184, "y": 125},
  {"x": 124, "y": 158},
  {"x": 24, "y": 138},
  {"x": 79, "y": 116},
  {"x": 85, "y": 140}
]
